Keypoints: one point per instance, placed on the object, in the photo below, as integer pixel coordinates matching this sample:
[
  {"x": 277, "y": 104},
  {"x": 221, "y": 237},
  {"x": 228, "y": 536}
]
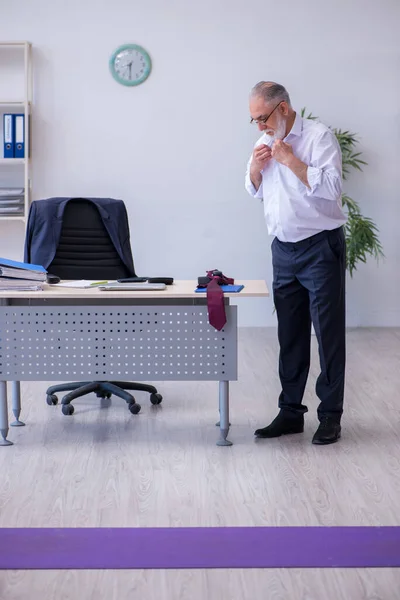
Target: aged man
[{"x": 296, "y": 170}]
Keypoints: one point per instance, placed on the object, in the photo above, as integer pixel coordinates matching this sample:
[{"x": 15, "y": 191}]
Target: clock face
[{"x": 130, "y": 64}]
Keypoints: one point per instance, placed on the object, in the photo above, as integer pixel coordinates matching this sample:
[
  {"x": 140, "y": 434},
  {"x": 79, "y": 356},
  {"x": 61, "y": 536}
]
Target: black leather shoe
[
  {"x": 282, "y": 425},
  {"x": 328, "y": 432}
]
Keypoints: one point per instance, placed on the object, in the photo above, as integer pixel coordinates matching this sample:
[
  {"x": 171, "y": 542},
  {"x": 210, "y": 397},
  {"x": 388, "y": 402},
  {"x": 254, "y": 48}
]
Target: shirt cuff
[
  {"x": 314, "y": 176},
  {"x": 252, "y": 190}
]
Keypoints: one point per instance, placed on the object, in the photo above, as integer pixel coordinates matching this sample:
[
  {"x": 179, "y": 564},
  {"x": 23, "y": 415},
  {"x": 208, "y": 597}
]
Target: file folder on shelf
[
  {"x": 8, "y": 135},
  {"x": 19, "y": 133}
]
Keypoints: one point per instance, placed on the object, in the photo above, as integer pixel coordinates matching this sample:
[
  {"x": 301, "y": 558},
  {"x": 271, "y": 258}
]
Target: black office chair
[{"x": 86, "y": 251}]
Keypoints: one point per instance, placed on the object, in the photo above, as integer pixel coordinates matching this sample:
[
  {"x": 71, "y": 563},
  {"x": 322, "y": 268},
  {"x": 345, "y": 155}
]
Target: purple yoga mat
[{"x": 199, "y": 548}]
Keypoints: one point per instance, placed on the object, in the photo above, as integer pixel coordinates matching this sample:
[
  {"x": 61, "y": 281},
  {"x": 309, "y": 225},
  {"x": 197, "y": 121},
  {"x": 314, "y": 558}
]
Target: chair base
[{"x": 103, "y": 389}]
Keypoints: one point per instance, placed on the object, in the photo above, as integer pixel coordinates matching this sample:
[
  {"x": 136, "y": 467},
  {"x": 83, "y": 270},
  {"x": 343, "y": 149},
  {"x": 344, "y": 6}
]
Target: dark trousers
[{"x": 309, "y": 284}]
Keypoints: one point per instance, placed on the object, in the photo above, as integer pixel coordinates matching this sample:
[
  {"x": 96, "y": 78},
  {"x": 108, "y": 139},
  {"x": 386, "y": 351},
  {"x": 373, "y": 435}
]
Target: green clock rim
[{"x": 130, "y": 47}]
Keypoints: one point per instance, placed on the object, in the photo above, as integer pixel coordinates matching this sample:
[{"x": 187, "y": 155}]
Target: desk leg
[
  {"x": 3, "y": 415},
  {"x": 224, "y": 413},
  {"x": 16, "y": 403}
]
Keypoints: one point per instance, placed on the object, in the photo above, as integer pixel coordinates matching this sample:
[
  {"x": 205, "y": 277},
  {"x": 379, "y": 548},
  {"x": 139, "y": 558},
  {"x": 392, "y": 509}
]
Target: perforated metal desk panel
[{"x": 88, "y": 334}]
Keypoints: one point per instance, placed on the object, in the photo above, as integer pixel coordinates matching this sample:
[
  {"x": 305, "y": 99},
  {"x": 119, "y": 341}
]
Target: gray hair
[{"x": 270, "y": 92}]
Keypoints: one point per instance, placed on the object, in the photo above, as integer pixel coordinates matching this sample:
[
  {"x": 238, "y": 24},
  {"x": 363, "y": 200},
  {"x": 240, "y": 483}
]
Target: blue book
[
  {"x": 6, "y": 262},
  {"x": 225, "y": 288}
]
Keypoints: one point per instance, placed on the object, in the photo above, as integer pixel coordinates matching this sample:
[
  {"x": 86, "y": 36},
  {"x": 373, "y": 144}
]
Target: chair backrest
[{"x": 85, "y": 249}]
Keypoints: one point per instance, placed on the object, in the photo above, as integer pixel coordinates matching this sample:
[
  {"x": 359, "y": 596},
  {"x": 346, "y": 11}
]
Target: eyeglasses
[{"x": 264, "y": 120}]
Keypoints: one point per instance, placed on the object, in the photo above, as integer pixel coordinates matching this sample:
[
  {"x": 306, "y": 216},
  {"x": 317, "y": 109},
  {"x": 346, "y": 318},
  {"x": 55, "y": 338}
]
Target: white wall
[{"x": 175, "y": 148}]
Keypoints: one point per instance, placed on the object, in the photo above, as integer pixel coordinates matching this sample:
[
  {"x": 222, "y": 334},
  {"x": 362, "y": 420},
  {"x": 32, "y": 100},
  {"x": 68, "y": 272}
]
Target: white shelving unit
[{"x": 16, "y": 172}]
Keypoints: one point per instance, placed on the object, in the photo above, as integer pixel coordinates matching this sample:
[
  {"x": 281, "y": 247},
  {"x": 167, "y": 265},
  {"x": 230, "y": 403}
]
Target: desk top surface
[{"x": 179, "y": 289}]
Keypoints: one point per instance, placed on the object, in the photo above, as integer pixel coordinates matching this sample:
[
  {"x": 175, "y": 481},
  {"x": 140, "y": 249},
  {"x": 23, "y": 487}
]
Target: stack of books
[
  {"x": 20, "y": 276},
  {"x": 12, "y": 201}
]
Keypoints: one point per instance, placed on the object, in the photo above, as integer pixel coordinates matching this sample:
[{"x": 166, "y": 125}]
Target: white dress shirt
[{"x": 292, "y": 211}]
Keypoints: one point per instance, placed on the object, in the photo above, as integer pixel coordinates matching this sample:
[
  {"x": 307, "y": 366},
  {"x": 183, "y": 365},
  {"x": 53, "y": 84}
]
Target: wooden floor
[{"x": 105, "y": 467}]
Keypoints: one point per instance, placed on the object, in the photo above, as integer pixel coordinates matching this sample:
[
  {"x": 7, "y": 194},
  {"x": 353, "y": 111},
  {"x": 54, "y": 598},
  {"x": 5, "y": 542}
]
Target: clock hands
[{"x": 130, "y": 65}]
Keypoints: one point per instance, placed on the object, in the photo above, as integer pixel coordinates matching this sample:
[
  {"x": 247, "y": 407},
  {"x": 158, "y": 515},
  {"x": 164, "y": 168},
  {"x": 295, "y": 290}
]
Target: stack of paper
[
  {"x": 81, "y": 284},
  {"x": 20, "y": 276},
  {"x": 11, "y": 201},
  {"x": 19, "y": 285}
]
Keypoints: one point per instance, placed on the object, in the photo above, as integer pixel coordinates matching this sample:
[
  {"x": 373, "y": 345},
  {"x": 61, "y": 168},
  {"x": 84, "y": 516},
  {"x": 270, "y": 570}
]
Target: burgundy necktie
[{"x": 215, "y": 300}]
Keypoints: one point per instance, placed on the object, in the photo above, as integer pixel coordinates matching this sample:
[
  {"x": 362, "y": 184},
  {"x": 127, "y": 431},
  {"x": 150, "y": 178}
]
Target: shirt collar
[{"x": 297, "y": 127}]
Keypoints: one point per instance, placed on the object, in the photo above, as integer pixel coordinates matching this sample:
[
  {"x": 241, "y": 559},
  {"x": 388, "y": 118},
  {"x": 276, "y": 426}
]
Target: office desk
[{"x": 64, "y": 334}]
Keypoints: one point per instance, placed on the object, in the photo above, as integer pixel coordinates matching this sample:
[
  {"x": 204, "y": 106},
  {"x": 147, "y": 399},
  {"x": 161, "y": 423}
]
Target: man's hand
[
  {"x": 282, "y": 152},
  {"x": 261, "y": 157}
]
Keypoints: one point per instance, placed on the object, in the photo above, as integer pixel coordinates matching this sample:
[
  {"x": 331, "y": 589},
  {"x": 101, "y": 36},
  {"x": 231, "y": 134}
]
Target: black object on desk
[
  {"x": 165, "y": 280},
  {"x": 132, "y": 280},
  {"x": 53, "y": 278}
]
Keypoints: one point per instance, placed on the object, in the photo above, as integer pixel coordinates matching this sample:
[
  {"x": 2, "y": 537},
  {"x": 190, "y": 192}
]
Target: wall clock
[{"x": 130, "y": 64}]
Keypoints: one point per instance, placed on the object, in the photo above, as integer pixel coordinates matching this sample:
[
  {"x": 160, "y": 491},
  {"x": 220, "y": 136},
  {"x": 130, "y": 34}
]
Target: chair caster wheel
[
  {"x": 68, "y": 409},
  {"x": 156, "y": 398},
  {"x": 51, "y": 399},
  {"x": 134, "y": 408}
]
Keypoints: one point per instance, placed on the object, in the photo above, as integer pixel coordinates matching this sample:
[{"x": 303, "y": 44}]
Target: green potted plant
[{"x": 361, "y": 232}]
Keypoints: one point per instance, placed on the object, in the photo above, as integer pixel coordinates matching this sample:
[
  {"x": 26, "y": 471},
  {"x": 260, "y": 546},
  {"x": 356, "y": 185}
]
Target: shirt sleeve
[
  {"x": 325, "y": 171},
  {"x": 249, "y": 185}
]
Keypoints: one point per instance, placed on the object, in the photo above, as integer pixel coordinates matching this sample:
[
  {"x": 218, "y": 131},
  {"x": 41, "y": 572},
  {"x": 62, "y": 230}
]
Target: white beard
[{"x": 278, "y": 134}]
